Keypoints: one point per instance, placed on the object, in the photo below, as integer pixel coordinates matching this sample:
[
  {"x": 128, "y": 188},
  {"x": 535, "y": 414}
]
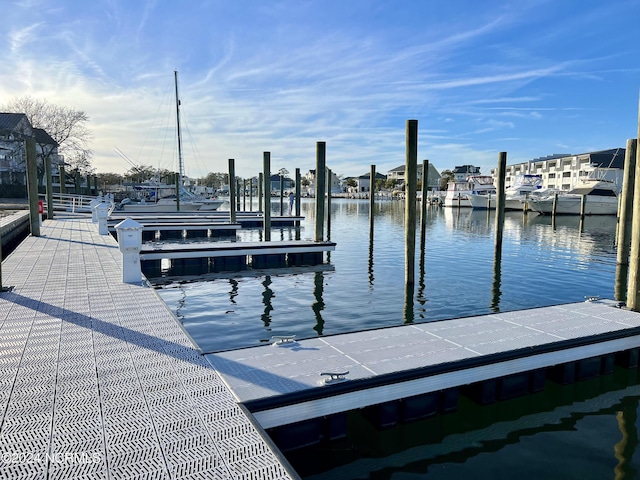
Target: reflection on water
[
  {"x": 587, "y": 430},
  {"x": 459, "y": 274}
]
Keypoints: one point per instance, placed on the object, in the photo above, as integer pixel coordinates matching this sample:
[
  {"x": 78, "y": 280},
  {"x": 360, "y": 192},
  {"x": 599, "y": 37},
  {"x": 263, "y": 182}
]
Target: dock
[
  {"x": 417, "y": 370},
  {"x": 99, "y": 380},
  {"x": 244, "y": 219},
  {"x": 206, "y": 257}
]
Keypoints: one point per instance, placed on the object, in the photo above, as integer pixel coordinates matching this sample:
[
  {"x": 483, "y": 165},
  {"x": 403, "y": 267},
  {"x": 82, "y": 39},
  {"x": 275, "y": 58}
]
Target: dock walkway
[{"x": 98, "y": 379}]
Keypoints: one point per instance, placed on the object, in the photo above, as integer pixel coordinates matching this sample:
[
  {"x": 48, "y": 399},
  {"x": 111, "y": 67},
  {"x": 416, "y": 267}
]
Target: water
[
  {"x": 586, "y": 430},
  {"x": 363, "y": 287}
]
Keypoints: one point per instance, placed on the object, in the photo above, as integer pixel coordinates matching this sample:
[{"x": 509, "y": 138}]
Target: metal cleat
[
  {"x": 333, "y": 377},
  {"x": 282, "y": 339}
]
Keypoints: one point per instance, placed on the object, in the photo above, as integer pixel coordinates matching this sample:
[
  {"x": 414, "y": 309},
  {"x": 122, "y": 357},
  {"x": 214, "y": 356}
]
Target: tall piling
[
  {"x": 298, "y": 192},
  {"x": 251, "y": 194},
  {"x": 410, "y": 202},
  {"x": 49, "y": 178},
  {"x": 281, "y": 195},
  {"x": 238, "y": 193},
  {"x": 321, "y": 152},
  {"x": 260, "y": 184},
  {"x": 625, "y": 214},
  {"x": 232, "y": 190},
  {"x": 32, "y": 186},
  {"x": 372, "y": 197},
  {"x": 633, "y": 293},
  {"x": 500, "y": 199},
  {"x": 63, "y": 179},
  {"x": 266, "y": 175},
  {"x": 423, "y": 207},
  {"x": 328, "y": 204}
]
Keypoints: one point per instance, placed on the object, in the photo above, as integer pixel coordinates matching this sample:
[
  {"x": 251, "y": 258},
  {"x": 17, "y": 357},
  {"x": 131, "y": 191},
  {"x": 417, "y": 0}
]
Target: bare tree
[{"x": 66, "y": 126}]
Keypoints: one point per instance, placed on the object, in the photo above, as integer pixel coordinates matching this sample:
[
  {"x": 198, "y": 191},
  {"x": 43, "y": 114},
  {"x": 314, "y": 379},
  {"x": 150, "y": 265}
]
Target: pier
[
  {"x": 99, "y": 380},
  {"x": 413, "y": 371}
]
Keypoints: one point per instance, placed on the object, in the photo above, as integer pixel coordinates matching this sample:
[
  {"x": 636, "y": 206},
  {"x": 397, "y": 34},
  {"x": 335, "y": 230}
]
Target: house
[
  {"x": 564, "y": 171},
  {"x": 15, "y": 128},
  {"x": 364, "y": 181},
  {"x": 335, "y": 183},
  {"x": 287, "y": 183},
  {"x": 460, "y": 173},
  {"x": 433, "y": 178}
]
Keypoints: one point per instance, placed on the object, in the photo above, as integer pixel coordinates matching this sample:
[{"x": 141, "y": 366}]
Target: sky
[{"x": 528, "y": 77}]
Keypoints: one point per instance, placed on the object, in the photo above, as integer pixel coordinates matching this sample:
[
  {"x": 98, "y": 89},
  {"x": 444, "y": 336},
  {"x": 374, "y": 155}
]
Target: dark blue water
[{"x": 363, "y": 287}]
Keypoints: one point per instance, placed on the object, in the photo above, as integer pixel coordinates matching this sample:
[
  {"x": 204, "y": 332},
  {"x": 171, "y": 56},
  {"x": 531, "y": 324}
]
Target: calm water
[
  {"x": 585, "y": 430},
  {"x": 363, "y": 287}
]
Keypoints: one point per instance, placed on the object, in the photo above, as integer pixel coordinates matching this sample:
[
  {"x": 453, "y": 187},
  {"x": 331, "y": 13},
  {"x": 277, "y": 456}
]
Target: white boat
[
  {"x": 147, "y": 202},
  {"x": 515, "y": 195},
  {"x": 600, "y": 197},
  {"x": 160, "y": 197},
  {"x": 459, "y": 193}
]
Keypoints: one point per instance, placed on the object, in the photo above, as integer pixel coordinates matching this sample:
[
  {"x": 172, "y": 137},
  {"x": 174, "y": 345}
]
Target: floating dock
[
  {"x": 413, "y": 371},
  {"x": 245, "y": 219},
  {"x": 199, "y": 258},
  {"x": 98, "y": 379}
]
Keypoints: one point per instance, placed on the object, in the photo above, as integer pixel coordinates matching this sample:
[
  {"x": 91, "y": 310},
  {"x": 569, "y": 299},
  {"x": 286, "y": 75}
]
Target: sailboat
[{"x": 159, "y": 197}]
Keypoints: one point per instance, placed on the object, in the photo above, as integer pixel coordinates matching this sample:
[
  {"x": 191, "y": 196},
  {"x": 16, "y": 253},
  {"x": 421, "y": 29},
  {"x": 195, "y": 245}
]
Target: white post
[
  {"x": 102, "y": 213},
  {"x": 93, "y": 204},
  {"x": 130, "y": 243}
]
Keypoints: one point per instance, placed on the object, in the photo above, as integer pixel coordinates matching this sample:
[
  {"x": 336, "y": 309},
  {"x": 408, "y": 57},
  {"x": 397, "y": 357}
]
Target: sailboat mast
[{"x": 180, "y": 165}]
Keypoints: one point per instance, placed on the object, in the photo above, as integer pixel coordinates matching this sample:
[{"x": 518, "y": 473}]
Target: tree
[
  {"x": 351, "y": 182},
  {"x": 106, "y": 180},
  {"x": 446, "y": 176},
  {"x": 66, "y": 126},
  {"x": 283, "y": 172},
  {"x": 140, "y": 173},
  {"x": 304, "y": 182}
]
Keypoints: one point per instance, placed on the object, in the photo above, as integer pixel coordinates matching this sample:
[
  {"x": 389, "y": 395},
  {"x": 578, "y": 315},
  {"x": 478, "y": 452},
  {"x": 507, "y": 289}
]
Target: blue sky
[{"x": 529, "y": 77}]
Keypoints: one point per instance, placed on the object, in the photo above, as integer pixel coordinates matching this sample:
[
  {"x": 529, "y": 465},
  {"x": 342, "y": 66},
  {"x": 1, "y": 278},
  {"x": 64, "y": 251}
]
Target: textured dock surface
[{"x": 98, "y": 380}]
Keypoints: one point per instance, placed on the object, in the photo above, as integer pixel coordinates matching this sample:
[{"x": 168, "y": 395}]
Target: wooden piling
[
  {"x": 423, "y": 206},
  {"x": 554, "y": 207},
  {"x": 232, "y": 191},
  {"x": 244, "y": 195},
  {"x": 178, "y": 193},
  {"x": 238, "y": 194},
  {"x": 410, "y": 201},
  {"x": 260, "y": 199},
  {"x": 49, "y": 179},
  {"x": 625, "y": 214},
  {"x": 321, "y": 151},
  {"x": 281, "y": 195},
  {"x": 328, "y": 204},
  {"x": 298, "y": 192},
  {"x": 500, "y": 199},
  {"x": 372, "y": 197},
  {"x": 251, "y": 194},
  {"x": 633, "y": 290},
  {"x": 266, "y": 175},
  {"x": 583, "y": 203},
  {"x": 32, "y": 186},
  {"x": 63, "y": 179}
]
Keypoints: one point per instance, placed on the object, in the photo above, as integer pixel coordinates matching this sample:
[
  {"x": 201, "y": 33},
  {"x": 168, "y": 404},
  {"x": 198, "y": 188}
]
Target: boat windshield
[{"x": 602, "y": 192}]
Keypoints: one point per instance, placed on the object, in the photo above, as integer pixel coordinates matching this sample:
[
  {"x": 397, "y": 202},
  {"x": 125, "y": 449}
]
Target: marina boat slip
[
  {"x": 600, "y": 197},
  {"x": 515, "y": 195},
  {"x": 458, "y": 193}
]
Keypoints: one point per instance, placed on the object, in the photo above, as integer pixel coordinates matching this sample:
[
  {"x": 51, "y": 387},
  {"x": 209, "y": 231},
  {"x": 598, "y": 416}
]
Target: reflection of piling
[
  {"x": 32, "y": 186},
  {"x": 318, "y": 305},
  {"x": 232, "y": 191},
  {"x": 410, "y": 200},
  {"x": 625, "y": 220},
  {"x": 266, "y": 175},
  {"x": 624, "y": 450},
  {"x": 321, "y": 150}
]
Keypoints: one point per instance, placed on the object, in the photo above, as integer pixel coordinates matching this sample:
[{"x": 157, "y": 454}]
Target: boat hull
[{"x": 571, "y": 204}]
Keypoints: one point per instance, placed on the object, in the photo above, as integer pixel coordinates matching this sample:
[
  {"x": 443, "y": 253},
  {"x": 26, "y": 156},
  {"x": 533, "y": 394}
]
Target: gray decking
[
  {"x": 511, "y": 343},
  {"x": 98, "y": 380}
]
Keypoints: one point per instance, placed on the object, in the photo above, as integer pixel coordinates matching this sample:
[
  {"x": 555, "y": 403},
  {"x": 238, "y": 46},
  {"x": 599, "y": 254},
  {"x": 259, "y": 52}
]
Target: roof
[
  {"x": 43, "y": 138},
  {"x": 368, "y": 175},
  {"x": 11, "y": 121}
]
